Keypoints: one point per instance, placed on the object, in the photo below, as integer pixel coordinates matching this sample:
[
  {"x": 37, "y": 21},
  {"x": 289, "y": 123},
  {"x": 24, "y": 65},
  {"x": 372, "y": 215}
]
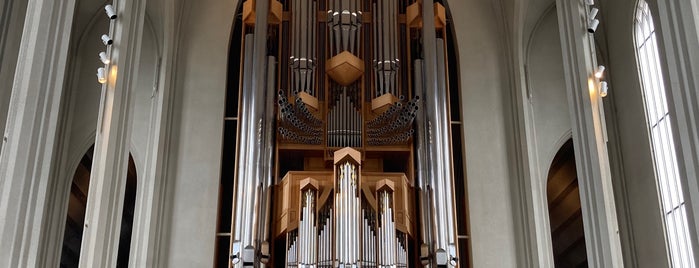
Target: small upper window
[{"x": 662, "y": 141}]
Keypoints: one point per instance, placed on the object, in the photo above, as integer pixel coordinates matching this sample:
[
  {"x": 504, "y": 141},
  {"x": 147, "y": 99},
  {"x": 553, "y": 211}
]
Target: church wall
[
  {"x": 549, "y": 100},
  {"x": 197, "y": 133},
  {"x": 84, "y": 93},
  {"x": 625, "y": 103},
  {"x": 485, "y": 100}
]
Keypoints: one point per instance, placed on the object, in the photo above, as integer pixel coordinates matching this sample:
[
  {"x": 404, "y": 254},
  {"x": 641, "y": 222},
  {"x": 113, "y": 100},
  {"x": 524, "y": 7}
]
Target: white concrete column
[
  {"x": 676, "y": 26},
  {"x": 591, "y": 156},
  {"x": 30, "y": 134},
  {"x": 109, "y": 166},
  {"x": 148, "y": 219},
  {"x": 12, "y": 13}
]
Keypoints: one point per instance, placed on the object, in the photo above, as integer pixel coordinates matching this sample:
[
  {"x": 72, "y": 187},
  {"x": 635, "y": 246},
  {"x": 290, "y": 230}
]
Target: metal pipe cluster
[
  {"x": 303, "y": 47},
  {"x": 402, "y": 247},
  {"x": 394, "y": 126},
  {"x": 294, "y": 137},
  {"x": 344, "y": 23},
  {"x": 308, "y": 233},
  {"x": 369, "y": 237},
  {"x": 254, "y": 167},
  {"x": 291, "y": 249},
  {"x": 386, "y": 53},
  {"x": 401, "y": 138},
  {"x": 434, "y": 156},
  {"x": 325, "y": 236},
  {"x": 344, "y": 123},
  {"x": 347, "y": 213},
  {"x": 387, "y": 231},
  {"x": 297, "y": 123}
]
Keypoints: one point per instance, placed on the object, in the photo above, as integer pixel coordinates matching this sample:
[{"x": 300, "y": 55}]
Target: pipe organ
[{"x": 344, "y": 155}]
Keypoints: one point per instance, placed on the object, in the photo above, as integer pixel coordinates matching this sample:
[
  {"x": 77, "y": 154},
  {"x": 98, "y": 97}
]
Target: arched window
[{"x": 662, "y": 141}]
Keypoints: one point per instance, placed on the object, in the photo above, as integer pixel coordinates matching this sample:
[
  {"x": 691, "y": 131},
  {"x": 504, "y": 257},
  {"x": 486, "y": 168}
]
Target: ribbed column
[
  {"x": 30, "y": 134},
  {"x": 109, "y": 167},
  {"x": 591, "y": 157},
  {"x": 679, "y": 33}
]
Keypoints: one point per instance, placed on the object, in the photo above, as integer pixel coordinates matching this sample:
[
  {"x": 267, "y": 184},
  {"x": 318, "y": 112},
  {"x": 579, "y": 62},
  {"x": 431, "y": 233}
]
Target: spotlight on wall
[
  {"x": 103, "y": 57},
  {"x": 107, "y": 40},
  {"x": 101, "y": 75},
  {"x": 592, "y": 26},
  {"x": 593, "y": 13},
  {"x": 603, "y": 88},
  {"x": 599, "y": 73},
  {"x": 111, "y": 13}
]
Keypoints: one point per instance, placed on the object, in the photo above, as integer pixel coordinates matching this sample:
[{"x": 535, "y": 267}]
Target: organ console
[{"x": 344, "y": 153}]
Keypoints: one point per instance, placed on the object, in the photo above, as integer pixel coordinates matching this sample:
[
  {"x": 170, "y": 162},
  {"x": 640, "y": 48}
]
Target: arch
[
  {"x": 77, "y": 204},
  {"x": 567, "y": 234}
]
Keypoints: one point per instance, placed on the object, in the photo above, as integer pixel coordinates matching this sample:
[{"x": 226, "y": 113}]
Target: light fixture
[
  {"x": 603, "y": 88},
  {"x": 107, "y": 40},
  {"x": 593, "y": 12},
  {"x": 110, "y": 12},
  {"x": 101, "y": 75},
  {"x": 592, "y": 26},
  {"x": 599, "y": 73},
  {"x": 103, "y": 57},
  {"x": 589, "y": 2}
]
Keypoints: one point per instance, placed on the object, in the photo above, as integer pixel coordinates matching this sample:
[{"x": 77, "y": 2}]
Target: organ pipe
[{"x": 347, "y": 215}]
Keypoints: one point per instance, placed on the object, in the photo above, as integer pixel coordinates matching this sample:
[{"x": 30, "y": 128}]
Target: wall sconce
[
  {"x": 592, "y": 22},
  {"x": 104, "y": 58},
  {"x": 599, "y": 73},
  {"x": 111, "y": 13},
  {"x": 101, "y": 75},
  {"x": 603, "y": 88},
  {"x": 107, "y": 40}
]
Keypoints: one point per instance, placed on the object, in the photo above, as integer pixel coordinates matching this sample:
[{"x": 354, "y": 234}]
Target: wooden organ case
[{"x": 344, "y": 149}]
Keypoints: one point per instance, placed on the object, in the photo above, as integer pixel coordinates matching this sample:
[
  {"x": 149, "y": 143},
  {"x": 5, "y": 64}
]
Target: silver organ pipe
[
  {"x": 386, "y": 62},
  {"x": 437, "y": 152},
  {"x": 268, "y": 151},
  {"x": 347, "y": 215},
  {"x": 307, "y": 230},
  {"x": 247, "y": 190},
  {"x": 387, "y": 230},
  {"x": 303, "y": 58}
]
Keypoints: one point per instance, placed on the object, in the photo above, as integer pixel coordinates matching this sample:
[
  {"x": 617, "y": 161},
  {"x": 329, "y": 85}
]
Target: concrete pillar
[
  {"x": 109, "y": 166},
  {"x": 30, "y": 134},
  {"x": 589, "y": 136},
  {"x": 12, "y": 14},
  {"x": 678, "y": 38}
]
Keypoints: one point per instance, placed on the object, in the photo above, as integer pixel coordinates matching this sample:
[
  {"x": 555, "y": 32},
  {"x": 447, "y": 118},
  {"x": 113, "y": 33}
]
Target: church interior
[{"x": 349, "y": 133}]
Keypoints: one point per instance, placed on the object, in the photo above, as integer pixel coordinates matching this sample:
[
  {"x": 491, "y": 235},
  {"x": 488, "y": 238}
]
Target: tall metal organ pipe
[
  {"x": 249, "y": 183},
  {"x": 437, "y": 147},
  {"x": 307, "y": 230},
  {"x": 347, "y": 215},
  {"x": 268, "y": 152}
]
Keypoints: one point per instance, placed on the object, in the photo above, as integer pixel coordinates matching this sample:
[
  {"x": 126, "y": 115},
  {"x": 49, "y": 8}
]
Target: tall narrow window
[{"x": 662, "y": 141}]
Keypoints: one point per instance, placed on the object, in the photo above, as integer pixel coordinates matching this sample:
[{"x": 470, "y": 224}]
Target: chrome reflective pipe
[{"x": 268, "y": 148}]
